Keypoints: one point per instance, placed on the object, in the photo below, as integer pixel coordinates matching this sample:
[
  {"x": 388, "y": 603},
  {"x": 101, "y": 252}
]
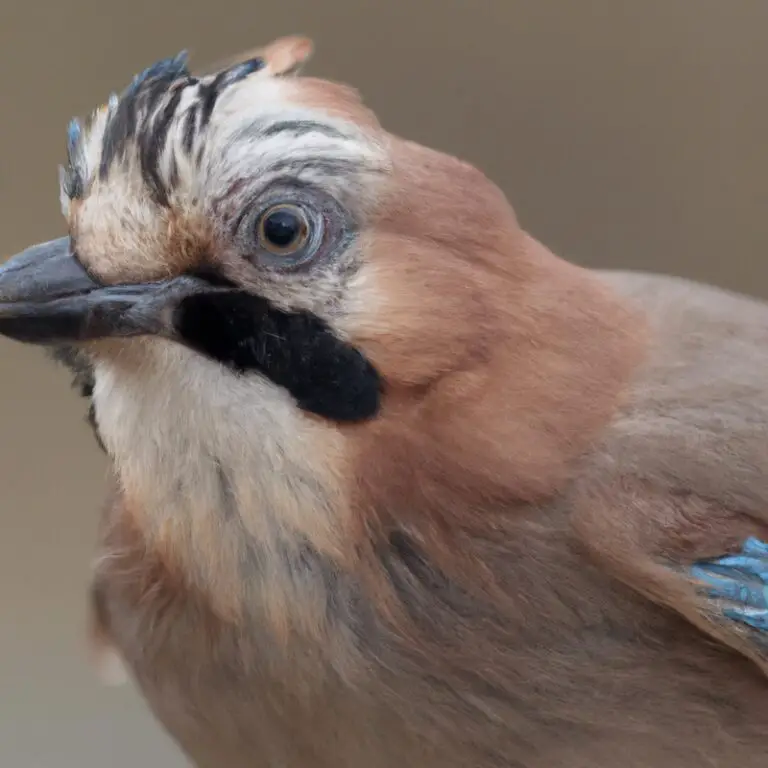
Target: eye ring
[{"x": 283, "y": 229}]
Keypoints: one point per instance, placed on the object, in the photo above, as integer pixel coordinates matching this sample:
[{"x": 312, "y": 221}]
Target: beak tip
[{"x": 32, "y": 285}]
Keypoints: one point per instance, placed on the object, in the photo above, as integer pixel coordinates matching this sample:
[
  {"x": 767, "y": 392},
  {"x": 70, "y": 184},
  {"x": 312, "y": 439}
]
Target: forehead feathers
[
  {"x": 178, "y": 148},
  {"x": 138, "y": 122}
]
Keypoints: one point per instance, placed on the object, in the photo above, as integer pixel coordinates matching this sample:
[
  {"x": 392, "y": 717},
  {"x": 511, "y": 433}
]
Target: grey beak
[{"x": 46, "y": 297}]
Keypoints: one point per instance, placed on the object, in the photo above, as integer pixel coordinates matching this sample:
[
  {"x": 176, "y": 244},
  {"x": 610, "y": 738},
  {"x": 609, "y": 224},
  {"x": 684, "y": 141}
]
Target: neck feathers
[
  {"x": 221, "y": 474},
  {"x": 507, "y": 429}
]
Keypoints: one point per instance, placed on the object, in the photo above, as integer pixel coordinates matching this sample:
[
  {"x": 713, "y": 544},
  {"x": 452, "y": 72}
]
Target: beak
[{"x": 47, "y": 297}]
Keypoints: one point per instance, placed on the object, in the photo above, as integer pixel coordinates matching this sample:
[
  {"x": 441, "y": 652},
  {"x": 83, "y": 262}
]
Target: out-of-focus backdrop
[{"x": 627, "y": 133}]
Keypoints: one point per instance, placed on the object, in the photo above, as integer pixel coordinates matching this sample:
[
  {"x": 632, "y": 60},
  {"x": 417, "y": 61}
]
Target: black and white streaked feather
[{"x": 141, "y": 117}]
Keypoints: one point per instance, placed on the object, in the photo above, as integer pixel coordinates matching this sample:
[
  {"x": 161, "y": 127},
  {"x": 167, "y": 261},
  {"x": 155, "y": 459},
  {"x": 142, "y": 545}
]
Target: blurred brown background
[{"x": 626, "y": 132}]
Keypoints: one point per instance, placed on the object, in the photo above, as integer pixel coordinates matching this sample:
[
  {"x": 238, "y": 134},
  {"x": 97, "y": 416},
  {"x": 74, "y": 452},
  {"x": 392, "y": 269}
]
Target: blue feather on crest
[
  {"x": 169, "y": 69},
  {"x": 74, "y": 134}
]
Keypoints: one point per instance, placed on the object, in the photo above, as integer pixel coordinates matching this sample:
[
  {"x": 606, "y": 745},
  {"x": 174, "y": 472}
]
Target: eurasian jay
[{"x": 395, "y": 486}]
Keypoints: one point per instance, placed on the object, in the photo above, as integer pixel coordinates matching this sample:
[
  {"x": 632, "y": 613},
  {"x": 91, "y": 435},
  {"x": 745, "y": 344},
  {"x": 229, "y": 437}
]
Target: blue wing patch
[{"x": 741, "y": 582}]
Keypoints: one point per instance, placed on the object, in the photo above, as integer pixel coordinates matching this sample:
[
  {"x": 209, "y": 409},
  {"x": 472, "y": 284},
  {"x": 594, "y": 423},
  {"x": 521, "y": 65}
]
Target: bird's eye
[
  {"x": 282, "y": 230},
  {"x": 288, "y": 228}
]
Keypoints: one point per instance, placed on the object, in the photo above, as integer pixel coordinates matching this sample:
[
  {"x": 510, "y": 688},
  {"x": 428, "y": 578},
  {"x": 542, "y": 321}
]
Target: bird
[{"x": 392, "y": 484}]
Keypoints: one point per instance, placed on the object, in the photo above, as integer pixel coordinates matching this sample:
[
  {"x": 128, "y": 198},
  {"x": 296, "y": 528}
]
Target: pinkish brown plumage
[{"x": 393, "y": 484}]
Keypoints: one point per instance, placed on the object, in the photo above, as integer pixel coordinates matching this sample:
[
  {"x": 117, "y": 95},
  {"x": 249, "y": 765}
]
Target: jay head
[
  {"x": 355, "y": 415},
  {"x": 270, "y": 298}
]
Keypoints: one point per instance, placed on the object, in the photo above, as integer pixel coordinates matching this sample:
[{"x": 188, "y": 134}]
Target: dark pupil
[{"x": 283, "y": 227}]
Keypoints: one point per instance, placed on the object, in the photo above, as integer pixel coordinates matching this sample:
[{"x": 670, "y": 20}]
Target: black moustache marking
[{"x": 295, "y": 350}]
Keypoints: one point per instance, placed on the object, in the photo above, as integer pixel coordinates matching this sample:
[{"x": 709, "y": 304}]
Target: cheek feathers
[{"x": 418, "y": 311}]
